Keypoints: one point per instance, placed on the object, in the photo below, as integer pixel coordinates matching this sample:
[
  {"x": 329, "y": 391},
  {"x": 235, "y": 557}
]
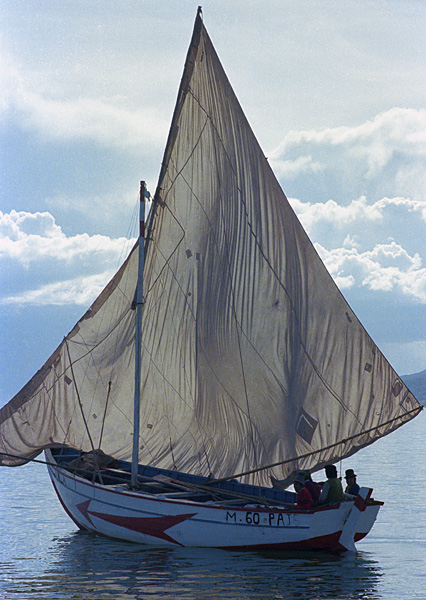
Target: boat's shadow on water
[{"x": 85, "y": 566}]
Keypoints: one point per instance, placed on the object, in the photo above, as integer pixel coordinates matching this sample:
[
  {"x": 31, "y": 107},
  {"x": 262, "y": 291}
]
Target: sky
[{"x": 334, "y": 91}]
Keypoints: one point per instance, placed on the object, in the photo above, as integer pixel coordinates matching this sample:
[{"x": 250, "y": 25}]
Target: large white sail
[{"x": 252, "y": 361}]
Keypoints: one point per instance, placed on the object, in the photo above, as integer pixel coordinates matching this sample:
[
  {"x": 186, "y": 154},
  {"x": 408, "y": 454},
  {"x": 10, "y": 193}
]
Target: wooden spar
[
  {"x": 138, "y": 337},
  {"x": 211, "y": 490}
]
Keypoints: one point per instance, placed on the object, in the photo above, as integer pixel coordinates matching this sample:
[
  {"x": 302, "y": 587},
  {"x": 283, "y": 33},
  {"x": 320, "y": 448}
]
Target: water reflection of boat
[
  {"x": 106, "y": 567},
  {"x": 226, "y": 338}
]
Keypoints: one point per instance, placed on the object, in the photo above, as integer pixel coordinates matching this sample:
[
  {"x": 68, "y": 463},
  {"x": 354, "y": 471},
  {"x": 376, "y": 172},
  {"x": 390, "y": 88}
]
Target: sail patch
[
  {"x": 397, "y": 387},
  {"x": 306, "y": 426}
]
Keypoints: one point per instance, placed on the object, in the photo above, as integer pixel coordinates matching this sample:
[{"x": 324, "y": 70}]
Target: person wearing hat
[
  {"x": 352, "y": 488},
  {"x": 332, "y": 490},
  {"x": 303, "y": 499}
]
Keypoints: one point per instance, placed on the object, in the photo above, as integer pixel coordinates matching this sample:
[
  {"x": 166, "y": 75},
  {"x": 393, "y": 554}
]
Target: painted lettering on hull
[{"x": 272, "y": 519}]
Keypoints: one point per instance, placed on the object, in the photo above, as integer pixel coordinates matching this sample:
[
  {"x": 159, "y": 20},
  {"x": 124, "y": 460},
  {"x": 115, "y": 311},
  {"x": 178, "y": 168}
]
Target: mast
[{"x": 138, "y": 336}]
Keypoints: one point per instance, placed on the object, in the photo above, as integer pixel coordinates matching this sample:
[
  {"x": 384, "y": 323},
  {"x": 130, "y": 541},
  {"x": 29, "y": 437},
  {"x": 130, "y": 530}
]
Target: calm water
[{"x": 42, "y": 555}]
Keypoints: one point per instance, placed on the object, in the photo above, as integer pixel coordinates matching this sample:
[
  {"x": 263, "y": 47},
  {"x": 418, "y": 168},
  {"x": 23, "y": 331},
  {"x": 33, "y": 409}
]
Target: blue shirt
[{"x": 353, "y": 490}]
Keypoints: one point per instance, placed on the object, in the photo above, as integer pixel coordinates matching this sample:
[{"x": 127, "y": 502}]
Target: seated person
[
  {"x": 303, "y": 499},
  {"x": 313, "y": 487},
  {"x": 332, "y": 490}
]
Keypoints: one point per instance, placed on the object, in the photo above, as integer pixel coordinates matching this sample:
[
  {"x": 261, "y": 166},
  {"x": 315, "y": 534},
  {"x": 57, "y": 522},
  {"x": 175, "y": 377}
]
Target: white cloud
[
  {"x": 30, "y": 237},
  {"x": 18, "y": 225},
  {"x": 351, "y": 241},
  {"x": 332, "y": 223},
  {"x": 384, "y": 156},
  {"x": 396, "y": 130},
  {"x": 90, "y": 118},
  {"x": 410, "y": 205},
  {"x": 106, "y": 120},
  {"x": 80, "y": 291},
  {"x": 386, "y": 268},
  {"x": 344, "y": 283},
  {"x": 311, "y": 213},
  {"x": 34, "y": 250},
  {"x": 288, "y": 169}
]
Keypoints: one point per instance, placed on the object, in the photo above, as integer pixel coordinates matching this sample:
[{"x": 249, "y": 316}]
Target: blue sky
[{"x": 335, "y": 92}]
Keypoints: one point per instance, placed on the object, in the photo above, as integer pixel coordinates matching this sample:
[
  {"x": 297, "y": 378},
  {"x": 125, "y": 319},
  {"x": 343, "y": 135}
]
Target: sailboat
[{"x": 221, "y": 357}]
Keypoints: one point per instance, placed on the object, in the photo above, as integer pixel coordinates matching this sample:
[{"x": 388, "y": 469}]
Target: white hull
[{"x": 117, "y": 512}]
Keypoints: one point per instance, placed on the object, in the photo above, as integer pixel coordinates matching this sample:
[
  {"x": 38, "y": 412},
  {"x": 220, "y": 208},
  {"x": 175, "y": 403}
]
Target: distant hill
[{"x": 417, "y": 384}]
